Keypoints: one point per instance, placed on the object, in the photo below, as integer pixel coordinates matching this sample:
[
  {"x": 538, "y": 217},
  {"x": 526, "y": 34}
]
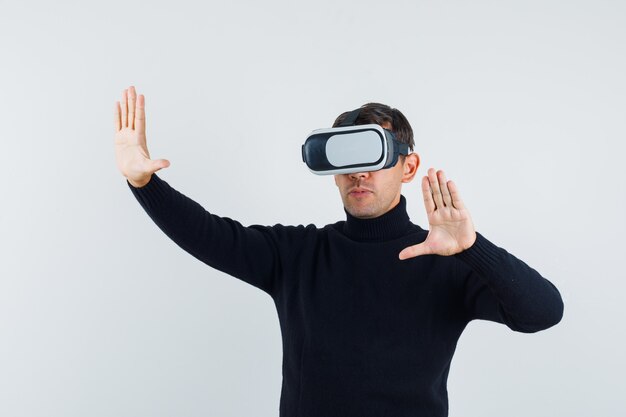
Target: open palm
[
  {"x": 450, "y": 226},
  {"x": 131, "y": 152}
]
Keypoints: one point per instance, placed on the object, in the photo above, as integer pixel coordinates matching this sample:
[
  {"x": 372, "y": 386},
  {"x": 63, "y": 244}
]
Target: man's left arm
[
  {"x": 498, "y": 286},
  {"x": 502, "y": 288}
]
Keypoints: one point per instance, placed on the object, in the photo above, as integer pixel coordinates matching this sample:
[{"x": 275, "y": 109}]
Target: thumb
[
  {"x": 159, "y": 164},
  {"x": 413, "y": 251}
]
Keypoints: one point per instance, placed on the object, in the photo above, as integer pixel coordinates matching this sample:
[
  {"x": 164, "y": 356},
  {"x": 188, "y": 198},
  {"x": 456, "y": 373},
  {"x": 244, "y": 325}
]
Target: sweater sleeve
[
  {"x": 248, "y": 253},
  {"x": 502, "y": 288}
]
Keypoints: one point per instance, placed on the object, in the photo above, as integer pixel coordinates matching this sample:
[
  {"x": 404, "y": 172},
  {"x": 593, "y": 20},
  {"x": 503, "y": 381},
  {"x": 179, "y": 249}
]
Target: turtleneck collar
[{"x": 390, "y": 225}]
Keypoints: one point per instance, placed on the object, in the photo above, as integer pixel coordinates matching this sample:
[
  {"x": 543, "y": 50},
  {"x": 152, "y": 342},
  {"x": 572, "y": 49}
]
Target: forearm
[
  {"x": 526, "y": 301},
  {"x": 223, "y": 243}
]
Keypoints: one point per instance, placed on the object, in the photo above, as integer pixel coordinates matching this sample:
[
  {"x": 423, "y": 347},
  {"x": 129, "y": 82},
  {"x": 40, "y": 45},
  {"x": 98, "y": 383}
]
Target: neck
[{"x": 390, "y": 225}]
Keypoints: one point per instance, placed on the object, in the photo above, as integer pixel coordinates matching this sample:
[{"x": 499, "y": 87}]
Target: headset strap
[{"x": 403, "y": 148}]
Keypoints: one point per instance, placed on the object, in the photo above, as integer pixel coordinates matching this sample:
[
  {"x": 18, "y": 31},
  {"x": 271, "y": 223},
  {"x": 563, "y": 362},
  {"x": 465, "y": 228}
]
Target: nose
[{"x": 358, "y": 175}]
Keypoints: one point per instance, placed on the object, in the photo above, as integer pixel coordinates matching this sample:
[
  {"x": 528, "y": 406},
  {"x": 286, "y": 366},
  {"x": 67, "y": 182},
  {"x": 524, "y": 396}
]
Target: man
[{"x": 370, "y": 308}]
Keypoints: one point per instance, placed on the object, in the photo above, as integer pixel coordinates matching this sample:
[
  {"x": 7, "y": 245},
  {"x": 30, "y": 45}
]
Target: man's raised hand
[
  {"x": 131, "y": 151},
  {"x": 450, "y": 226}
]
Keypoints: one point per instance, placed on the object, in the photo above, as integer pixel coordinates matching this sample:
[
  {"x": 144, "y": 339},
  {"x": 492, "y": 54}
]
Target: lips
[{"x": 358, "y": 192}]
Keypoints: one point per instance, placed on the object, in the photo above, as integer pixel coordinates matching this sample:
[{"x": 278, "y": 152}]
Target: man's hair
[{"x": 379, "y": 114}]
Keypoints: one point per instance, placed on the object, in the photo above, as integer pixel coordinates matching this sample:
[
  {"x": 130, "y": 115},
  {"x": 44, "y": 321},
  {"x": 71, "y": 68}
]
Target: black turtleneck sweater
[{"x": 364, "y": 333}]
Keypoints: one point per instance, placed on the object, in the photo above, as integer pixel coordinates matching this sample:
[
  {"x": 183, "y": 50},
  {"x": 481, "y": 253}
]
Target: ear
[
  {"x": 335, "y": 177},
  {"x": 409, "y": 168}
]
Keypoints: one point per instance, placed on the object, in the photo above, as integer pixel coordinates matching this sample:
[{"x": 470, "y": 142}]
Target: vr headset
[{"x": 351, "y": 148}]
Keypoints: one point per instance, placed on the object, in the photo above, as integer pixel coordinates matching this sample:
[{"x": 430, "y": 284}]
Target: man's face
[{"x": 373, "y": 193}]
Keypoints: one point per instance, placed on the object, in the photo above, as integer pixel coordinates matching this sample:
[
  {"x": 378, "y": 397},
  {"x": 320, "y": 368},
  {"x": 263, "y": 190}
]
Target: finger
[
  {"x": 158, "y": 164},
  {"x": 132, "y": 97},
  {"x": 117, "y": 121},
  {"x": 434, "y": 186},
  {"x": 456, "y": 196},
  {"x": 124, "y": 109},
  {"x": 140, "y": 117},
  {"x": 443, "y": 186},
  {"x": 413, "y": 251},
  {"x": 429, "y": 203}
]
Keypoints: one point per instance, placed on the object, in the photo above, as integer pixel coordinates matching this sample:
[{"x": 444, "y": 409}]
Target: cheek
[
  {"x": 340, "y": 181},
  {"x": 392, "y": 178}
]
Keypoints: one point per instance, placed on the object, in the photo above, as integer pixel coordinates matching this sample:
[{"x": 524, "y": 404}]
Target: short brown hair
[{"x": 380, "y": 114}]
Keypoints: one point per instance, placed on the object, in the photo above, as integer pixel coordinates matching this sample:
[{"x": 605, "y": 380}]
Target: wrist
[
  {"x": 471, "y": 241},
  {"x": 139, "y": 184},
  {"x": 482, "y": 256}
]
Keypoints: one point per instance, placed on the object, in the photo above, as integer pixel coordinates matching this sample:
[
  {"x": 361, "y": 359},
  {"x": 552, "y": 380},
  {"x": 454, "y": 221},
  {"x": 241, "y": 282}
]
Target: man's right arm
[{"x": 248, "y": 253}]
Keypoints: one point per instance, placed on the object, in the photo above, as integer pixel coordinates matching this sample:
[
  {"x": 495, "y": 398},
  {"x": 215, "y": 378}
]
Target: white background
[{"x": 521, "y": 102}]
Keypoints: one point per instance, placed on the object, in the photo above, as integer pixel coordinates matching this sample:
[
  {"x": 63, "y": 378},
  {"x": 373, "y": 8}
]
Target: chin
[
  {"x": 365, "y": 208},
  {"x": 362, "y": 212}
]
